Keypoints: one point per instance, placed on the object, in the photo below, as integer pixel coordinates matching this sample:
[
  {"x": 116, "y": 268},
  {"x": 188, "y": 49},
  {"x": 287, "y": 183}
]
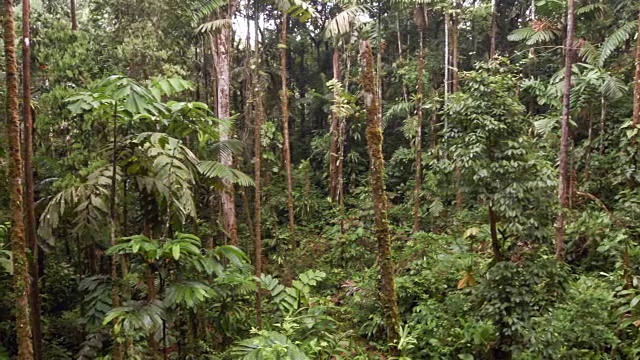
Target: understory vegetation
[{"x": 318, "y": 179}]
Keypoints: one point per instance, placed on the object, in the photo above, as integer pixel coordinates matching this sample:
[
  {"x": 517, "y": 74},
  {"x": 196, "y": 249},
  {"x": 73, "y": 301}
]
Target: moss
[{"x": 387, "y": 293}]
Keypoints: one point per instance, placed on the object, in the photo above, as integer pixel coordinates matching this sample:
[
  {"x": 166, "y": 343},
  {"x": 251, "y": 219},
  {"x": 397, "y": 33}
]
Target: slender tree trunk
[
  {"x": 113, "y": 226},
  {"x": 18, "y": 240},
  {"x": 422, "y": 15},
  {"x": 257, "y": 169},
  {"x": 286, "y": 148},
  {"x": 334, "y": 131},
  {"x": 405, "y": 96},
  {"x": 494, "y": 29},
  {"x": 455, "y": 46},
  {"x": 224, "y": 112},
  {"x": 563, "y": 194},
  {"x": 455, "y": 50},
  {"x": 636, "y": 91},
  {"x": 74, "y": 18},
  {"x": 387, "y": 293},
  {"x": 30, "y": 213},
  {"x": 446, "y": 57}
]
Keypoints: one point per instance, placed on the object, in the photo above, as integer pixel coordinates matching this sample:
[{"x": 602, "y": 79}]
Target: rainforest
[{"x": 320, "y": 180}]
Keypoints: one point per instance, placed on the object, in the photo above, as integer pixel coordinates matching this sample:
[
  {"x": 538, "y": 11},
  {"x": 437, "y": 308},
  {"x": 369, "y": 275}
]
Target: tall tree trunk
[
  {"x": 387, "y": 293},
  {"x": 563, "y": 192},
  {"x": 30, "y": 212},
  {"x": 74, "y": 18},
  {"x": 447, "y": 19},
  {"x": 113, "y": 226},
  {"x": 455, "y": 51},
  {"x": 636, "y": 91},
  {"x": 421, "y": 19},
  {"x": 257, "y": 169},
  {"x": 334, "y": 131},
  {"x": 224, "y": 112},
  {"x": 286, "y": 148},
  {"x": 455, "y": 46},
  {"x": 18, "y": 240},
  {"x": 494, "y": 29}
]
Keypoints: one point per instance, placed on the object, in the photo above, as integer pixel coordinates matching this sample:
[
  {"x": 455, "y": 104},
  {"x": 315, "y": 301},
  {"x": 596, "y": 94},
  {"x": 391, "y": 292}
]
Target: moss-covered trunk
[
  {"x": 387, "y": 293},
  {"x": 18, "y": 239}
]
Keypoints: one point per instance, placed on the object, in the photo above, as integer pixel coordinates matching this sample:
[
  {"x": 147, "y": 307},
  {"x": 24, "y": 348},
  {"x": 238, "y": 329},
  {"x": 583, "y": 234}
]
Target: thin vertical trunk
[
  {"x": 113, "y": 226},
  {"x": 494, "y": 29},
  {"x": 446, "y": 58},
  {"x": 603, "y": 116},
  {"x": 257, "y": 150},
  {"x": 223, "y": 54},
  {"x": 286, "y": 148},
  {"x": 455, "y": 50},
  {"x": 387, "y": 292},
  {"x": 419, "y": 102},
  {"x": 455, "y": 46},
  {"x": 74, "y": 18},
  {"x": 30, "y": 213},
  {"x": 405, "y": 96},
  {"x": 563, "y": 194},
  {"x": 18, "y": 240},
  {"x": 636, "y": 91},
  {"x": 334, "y": 131}
]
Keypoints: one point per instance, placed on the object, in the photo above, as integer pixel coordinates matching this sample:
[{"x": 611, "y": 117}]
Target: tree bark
[
  {"x": 30, "y": 213},
  {"x": 419, "y": 102},
  {"x": 227, "y": 195},
  {"x": 387, "y": 293},
  {"x": 636, "y": 91},
  {"x": 257, "y": 169},
  {"x": 286, "y": 147},
  {"x": 493, "y": 228},
  {"x": 113, "y": 226},
  {"x": 494, "y": 29},
  {"x": 563, "y": 192},
  {"x": 18, "y": 240},
  {"x": 74, "y": 18},
  {"x": 334, "y": 131}
]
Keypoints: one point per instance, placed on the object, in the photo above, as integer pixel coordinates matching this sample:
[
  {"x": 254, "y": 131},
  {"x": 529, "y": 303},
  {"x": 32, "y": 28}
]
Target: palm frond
[
  {"x": 216, "y": 170},
  {"x": 211, "y": 27},
  {"x": 618, "y": 38},
  {"x": 346, "y": 21}
]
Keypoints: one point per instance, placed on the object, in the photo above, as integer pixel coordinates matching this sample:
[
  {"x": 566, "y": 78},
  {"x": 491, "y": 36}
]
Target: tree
[
  {"x": 636, "y": 91},
  {"x": 29, "y": 205},
  {"x": 387, "y": 292},
  {"x": 223, "y": 70},
  {"x": 421, "y": 22},
  {"x": 74, "y": 17},
  {"x": 19, "y": 244},
  {"x": 284, "y": 98},
  {"x": 563, "y": 192}
]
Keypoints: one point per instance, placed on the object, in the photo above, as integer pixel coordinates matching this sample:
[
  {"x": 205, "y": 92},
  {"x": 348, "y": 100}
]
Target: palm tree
[{"x": 18, "y": 240}]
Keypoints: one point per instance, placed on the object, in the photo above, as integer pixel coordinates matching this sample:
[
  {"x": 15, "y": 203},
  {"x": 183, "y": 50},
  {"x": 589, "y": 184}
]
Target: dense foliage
[{"x": 179, "y": 217}]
